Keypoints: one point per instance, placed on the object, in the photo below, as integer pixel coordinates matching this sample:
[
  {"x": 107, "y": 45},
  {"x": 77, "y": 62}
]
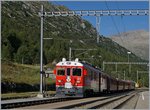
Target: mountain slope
[
  {"x": 21, "y": 24},
  {"x": 135, "y": 41}
]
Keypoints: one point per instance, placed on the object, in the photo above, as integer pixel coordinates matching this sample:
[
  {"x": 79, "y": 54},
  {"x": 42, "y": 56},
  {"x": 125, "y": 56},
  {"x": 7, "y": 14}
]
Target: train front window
[
  {"x": 68, "y": 71},
  {"x": 76, "y": 72},
  {"x": 61, "y": 72}
]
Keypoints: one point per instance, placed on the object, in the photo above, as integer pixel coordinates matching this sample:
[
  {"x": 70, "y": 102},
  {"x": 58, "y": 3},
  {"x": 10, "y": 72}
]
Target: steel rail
[
  {"x": 116, "y": 103},
  {"x": 109, "y": 101},
  {"x": 8, "y": 105},
  {"x": 123, "y": 103},
  {"x": 81, "y": 104}
]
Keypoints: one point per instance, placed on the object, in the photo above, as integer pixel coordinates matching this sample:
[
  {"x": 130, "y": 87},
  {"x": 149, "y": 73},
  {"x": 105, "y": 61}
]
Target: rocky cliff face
[{"x": 135, "y": 41}]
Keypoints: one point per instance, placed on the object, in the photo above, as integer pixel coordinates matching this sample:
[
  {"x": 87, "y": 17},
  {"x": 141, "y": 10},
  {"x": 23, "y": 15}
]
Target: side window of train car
[
  {"x": 76, "y": 72},
  {"x": 90, "y": 74},
  {"x": 95, "y": 75},
  {"x": 61, "y": 72},
  {"x": 102, "y": 78}
]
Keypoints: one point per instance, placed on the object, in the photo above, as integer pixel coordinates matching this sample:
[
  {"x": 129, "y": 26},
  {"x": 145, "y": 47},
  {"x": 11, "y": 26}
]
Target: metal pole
[
  {"x": 128, "y": 57},
  {"x": 116, "y": 71},
  {"x": 129, "y": 68},
  {"x": 69, "y": 53},
  {"x": 41, "y": 54},
  {"x": 98, "y": 27},
  {"x": 124, "y": 75},
  {"x": 137, "y": 76},
  {"x": 100, "y": 61},
  {"x": 143, "y": 82},
  {"x": 128, "y": 62},
  {"x": 103, "y": 66}
]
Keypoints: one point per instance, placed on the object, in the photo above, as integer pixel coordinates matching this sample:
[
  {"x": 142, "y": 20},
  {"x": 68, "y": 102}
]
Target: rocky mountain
[{"x": 135, "y": 41}]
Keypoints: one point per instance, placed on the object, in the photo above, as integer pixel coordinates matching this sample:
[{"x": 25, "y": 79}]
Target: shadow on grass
[{"x": 10, "y": 87}]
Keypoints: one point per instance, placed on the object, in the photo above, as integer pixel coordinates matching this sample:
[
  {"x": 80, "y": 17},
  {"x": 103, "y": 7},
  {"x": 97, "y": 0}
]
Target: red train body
[{"x": 78, "y": 79}]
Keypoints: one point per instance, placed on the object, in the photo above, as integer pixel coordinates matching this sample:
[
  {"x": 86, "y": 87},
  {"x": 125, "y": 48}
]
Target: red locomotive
[{"x": 78, "y": 79}]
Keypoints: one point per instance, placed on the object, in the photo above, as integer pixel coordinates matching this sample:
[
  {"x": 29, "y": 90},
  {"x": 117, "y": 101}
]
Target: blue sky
[{"x": 107, "y": 26}]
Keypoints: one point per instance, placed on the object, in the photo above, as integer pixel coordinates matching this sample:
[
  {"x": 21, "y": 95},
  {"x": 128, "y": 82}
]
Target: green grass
[{"x": 20, "y": 73}]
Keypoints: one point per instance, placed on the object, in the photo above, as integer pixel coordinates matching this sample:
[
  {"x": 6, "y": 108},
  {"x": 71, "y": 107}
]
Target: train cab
[{"x": 69, "y": 78}]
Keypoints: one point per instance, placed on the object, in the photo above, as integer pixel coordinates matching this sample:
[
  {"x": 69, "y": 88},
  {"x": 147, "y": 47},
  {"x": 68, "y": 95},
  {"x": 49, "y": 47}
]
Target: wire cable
[
  {"x": 114, "y": 23},
  {"x": 124, "y": 30}
]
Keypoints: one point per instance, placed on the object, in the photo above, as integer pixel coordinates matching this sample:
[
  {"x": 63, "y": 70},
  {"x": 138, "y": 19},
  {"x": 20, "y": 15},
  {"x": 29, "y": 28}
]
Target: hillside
[
  {"x": 21, "y": 24},
  {"x": 22, "y": 78},
  {"x": 21, "y": 41},
  {"x": 21, "y": 35},
  {"x": 135, "y": 41}
]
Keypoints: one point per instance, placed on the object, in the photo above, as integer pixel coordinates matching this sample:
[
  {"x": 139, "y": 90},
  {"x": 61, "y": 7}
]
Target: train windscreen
[
  {"x": 76, "y": 72},
  {"x": 68, "y": 71},
  {"x": 61, "y": 72}
]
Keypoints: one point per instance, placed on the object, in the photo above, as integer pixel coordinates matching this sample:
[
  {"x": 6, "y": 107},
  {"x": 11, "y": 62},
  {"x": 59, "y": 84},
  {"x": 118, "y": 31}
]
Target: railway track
[
  {"x": 114, "y": 103},
  {"x": 6, "y": 104},
  {"x": 129, "y": 103},
  {"x": 77, "y": 103},
  {"x": 111, "y": 102},
  {"x": 104, "y": 102}
]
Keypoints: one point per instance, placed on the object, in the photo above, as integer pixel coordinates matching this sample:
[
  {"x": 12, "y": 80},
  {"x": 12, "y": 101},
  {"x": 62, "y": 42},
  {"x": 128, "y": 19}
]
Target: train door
[
  {"x": 68, "y": 83},
  {"x": 103, "y": 83}
]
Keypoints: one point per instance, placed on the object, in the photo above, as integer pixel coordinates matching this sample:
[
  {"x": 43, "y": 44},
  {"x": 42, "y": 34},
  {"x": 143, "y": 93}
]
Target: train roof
[
  {"x": 69, "y": 63},
  {"x": 76, "y": 62}
]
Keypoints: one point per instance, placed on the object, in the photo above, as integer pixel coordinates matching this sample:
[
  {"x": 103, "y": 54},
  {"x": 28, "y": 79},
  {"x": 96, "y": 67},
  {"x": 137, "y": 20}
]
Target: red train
[{"x": 79, "y": 79}]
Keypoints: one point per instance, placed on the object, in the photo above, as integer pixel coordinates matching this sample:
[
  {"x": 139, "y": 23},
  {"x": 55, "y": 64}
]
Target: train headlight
[
  {"x": 59, "y": 81},
  {"x": 78, "y": 81}
]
